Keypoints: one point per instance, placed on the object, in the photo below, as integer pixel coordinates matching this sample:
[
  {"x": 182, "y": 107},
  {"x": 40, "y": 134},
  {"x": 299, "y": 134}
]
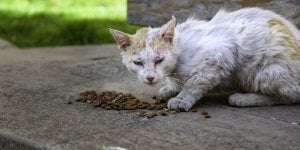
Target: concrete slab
[{"x": 36, "y": 85}]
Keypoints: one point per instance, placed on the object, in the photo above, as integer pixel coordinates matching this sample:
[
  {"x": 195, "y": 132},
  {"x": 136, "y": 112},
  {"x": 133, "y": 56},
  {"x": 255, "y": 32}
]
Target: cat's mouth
[{"x": 151, "y": 83}]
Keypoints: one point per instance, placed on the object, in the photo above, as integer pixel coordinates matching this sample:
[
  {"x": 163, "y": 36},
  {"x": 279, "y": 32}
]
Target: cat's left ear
[
  {"x": 168, "y": 30},
  {"x": 121, "y": 38}
]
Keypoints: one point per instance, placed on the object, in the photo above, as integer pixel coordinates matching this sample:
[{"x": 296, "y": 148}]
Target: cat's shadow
[{"x": 214, "y": 99}]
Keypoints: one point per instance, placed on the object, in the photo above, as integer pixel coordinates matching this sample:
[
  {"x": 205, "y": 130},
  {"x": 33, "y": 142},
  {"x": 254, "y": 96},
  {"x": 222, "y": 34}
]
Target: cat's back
[{"x": 256, "y": 18}]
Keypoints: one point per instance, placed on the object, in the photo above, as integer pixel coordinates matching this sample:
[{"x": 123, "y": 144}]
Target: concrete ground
[{"x": 36, "y": 85}]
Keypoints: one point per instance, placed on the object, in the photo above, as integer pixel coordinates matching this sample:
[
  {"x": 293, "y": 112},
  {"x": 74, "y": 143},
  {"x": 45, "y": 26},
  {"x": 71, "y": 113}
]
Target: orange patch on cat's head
[{"x": 138, "y": 41}]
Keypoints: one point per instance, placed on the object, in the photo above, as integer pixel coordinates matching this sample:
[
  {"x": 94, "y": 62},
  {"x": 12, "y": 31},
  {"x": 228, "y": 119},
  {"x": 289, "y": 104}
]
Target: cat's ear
[
  {"x": 168, "y": 30},
  {"x": 121, "y": 38}
]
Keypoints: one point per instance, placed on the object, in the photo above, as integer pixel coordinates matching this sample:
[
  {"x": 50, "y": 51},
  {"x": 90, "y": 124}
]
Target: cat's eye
[
  {"x": 159, "y": 60},
  {"x": 138, "y": 63}
]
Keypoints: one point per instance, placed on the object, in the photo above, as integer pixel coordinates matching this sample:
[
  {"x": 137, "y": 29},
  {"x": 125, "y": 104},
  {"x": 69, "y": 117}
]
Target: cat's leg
[
  {"x": 251, "y": 99},
  {"x": 171, "y": 89},
  {"x": 280, "y": 81},
  {"x": 203, "y": 78},
  {"x": 276, "y": 80}
]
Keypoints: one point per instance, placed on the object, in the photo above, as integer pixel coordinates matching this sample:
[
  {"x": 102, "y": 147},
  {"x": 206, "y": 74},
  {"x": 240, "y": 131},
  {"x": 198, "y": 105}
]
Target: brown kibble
[
  {"x": 160, "y": 106},
  {"x": 140, "y": 106},
  {"x": 142, "y": 114},
  {"x": 163, "y": 113},
  {"x": 134, "y": 107},
  {"x": 128, "y": 108},
  {"x": 194, "y": 110},
  {"x": 97, "y": 104},
  {"x": 121, "y": 107},
  {"x": 204, "y": 113},
  {"x": 154, "y": 97},
  {"x": 206, "y": 116},
  {"x": 183, "y": 110},
  {"x": 150, "y": 107},
  {"x": 163, "y": 100},
  {"x": 69, "y": 102},
  {"x": 79, "y": 99},
  {"x": 151, "y": 114}
]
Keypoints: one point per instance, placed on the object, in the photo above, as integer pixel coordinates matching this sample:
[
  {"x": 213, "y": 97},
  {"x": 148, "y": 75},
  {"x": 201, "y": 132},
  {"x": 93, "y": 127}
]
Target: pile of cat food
[{"x": 113, "y": 100}]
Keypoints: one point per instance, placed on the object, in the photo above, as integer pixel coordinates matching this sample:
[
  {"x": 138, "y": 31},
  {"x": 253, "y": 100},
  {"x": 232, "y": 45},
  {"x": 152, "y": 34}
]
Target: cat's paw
[
  {"x": 167, "y": 92},
  {"x": 180, "y": 103},
  {"x": 235, "y": 100}
]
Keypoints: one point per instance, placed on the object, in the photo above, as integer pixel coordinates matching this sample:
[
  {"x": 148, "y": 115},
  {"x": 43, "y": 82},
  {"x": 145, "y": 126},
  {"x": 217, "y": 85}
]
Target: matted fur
[{"x": 251, "y": 50}]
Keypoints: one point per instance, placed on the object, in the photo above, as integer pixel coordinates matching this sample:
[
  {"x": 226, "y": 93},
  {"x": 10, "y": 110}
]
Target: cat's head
[{"x": 149, "y": 52}]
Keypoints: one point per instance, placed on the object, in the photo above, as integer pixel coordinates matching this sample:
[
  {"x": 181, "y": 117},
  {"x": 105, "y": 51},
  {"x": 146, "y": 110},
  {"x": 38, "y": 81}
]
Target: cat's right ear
[
  {"x": 121, "y": 38},
  {"x": 168, "y": 30}
]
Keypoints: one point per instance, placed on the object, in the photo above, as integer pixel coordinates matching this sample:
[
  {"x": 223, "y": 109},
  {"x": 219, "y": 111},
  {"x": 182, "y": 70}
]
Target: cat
[{"x": 252, "y": 50}]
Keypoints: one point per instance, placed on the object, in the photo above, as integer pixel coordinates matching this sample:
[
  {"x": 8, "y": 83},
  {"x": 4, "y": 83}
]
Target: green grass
[{"x": 36, "y": 23}]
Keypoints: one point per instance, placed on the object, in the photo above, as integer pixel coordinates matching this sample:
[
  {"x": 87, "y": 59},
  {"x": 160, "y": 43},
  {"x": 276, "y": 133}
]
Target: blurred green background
[{"x": 36, "y": 23}]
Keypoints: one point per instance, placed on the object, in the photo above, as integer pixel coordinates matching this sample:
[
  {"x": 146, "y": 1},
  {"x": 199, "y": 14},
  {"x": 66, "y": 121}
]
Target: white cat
[{"x": 250, "y": 50}]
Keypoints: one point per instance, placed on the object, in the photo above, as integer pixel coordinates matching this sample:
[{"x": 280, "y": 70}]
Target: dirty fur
[{"x": 251, "y": 50}]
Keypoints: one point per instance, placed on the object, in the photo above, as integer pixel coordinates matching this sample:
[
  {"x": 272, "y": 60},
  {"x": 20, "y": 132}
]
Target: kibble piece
[
  {"x": 194, "y": 110},
  {"x": 69, "y": 102},
  {"x": 160, "y": 106},
  {"x": 206, "y": 116},
  {"x": 183, "y": 110},
  {"x": 151, "y": 114},
  {"x": 150, "y": 107},
  {"x": 134, "y": 107},
  {"x": 164, "y": 100},
  {"x": 154, "y": 97},
  {"x": 204, "y": 113},
  {"x": 142, "y": 114},
  {"x": 97, "y": 104},
  {"x": 128, "y": 107},
  {"x": 163, "y": 113},
  {"x": 122, "y": 107},
  {"x": 79, "y": 99}
]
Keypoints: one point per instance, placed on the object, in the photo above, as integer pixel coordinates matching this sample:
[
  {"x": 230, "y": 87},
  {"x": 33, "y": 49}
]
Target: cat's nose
[{"x": 150, "y": 78}]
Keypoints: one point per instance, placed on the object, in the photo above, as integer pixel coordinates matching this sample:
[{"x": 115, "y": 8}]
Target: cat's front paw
[
  {"x": 167, "y": 92},
  {"x": 180, "y": 103}
]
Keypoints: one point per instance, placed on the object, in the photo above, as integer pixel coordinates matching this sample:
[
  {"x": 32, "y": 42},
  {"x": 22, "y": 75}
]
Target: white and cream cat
[{"x": 251, "y": 50}]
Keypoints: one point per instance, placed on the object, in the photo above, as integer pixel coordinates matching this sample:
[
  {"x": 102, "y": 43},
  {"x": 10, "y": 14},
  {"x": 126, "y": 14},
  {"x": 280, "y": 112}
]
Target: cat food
[
  {"x": 150, "y": 114},
  {"x": 204, "y": 113},
  {"x": 206, "y": 116},
  {"x": 163, "y": 113},
  {"x": 113, "y": 100},
  {"x": 194, "y": 110}
]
